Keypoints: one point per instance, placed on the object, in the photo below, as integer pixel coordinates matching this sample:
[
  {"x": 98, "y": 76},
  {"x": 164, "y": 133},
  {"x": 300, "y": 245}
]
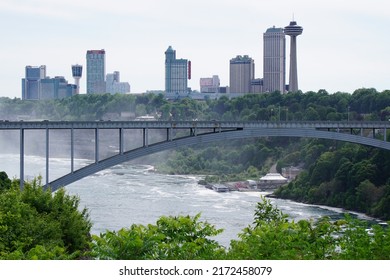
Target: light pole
[{"x": 348, "y": 113}]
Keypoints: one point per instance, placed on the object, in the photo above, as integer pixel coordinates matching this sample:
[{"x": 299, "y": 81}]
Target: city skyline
[{"x": 344, "y": 46}]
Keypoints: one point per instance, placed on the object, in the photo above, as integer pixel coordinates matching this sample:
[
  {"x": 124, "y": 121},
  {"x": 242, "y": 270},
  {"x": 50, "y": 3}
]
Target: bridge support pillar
[
  {"x": 193, "y": 132},
  {"x": 71, "y": 150},
  {"x": 96, "y": 145},
  {"x": 21, "y": 158},
  {"x": 145, "y": 136},
  {"x": 169, "y": 134},
  {"x": 47, "y": 156},
  {"x": 121, "y": 150}
]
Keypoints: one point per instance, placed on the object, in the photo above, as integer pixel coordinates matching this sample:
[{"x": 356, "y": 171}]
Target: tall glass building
[
  {"x": 274, "y": 60},
  {"x": 96, "y": 71},
  {"x": 176, "y": 73},
  {"x": 31, "y": 84}
]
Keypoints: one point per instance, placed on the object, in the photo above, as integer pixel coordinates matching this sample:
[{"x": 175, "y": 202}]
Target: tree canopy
[{"x": 36, "y": 224}]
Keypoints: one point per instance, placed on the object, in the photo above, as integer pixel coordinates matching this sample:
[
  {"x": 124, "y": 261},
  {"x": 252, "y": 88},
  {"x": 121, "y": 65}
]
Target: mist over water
[{"x": 134, "y": 194}]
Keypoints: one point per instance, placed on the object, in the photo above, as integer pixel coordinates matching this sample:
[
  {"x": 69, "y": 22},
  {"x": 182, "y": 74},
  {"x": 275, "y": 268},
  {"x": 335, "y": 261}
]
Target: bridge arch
[{"x": 211, "y": 137}]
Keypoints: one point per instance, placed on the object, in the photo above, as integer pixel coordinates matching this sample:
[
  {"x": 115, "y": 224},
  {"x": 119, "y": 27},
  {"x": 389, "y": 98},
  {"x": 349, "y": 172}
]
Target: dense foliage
[
  {"x": 36, "y": 224},
  {"x": 349, "y": 176},
  {"x": 172, "y": 238},
  {"x": 272, "y": 236}
]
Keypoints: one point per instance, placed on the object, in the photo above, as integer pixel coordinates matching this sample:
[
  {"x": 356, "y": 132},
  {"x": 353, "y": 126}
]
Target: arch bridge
[{"x": 156, "y": 136}]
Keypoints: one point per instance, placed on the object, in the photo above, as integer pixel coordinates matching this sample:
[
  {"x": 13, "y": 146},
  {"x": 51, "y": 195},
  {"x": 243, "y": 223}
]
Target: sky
[{"x": 345, "y": 45}]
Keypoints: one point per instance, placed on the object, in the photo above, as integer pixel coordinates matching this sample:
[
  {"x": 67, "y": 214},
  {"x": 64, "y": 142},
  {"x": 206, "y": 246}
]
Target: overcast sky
[{"x": 345, "y": 45}]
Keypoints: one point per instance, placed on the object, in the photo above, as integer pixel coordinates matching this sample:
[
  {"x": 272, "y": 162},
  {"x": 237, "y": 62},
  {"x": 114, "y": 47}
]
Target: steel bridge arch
[{"x": 207, "y": 138}]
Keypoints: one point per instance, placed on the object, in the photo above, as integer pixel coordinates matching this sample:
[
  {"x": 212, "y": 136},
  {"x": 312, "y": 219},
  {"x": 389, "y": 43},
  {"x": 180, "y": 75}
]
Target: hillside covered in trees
[{"x": 337, "y": 174}]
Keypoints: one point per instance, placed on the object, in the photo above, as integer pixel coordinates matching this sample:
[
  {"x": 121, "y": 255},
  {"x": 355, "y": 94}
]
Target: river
[{"x": 134, "y": 194}]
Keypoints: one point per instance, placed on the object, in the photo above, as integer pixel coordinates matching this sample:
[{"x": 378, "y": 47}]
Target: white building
[
  {"x": 274, "y": 178},
  {"x": 271, "y": 181},
  {"x": 114, "y": 85}
]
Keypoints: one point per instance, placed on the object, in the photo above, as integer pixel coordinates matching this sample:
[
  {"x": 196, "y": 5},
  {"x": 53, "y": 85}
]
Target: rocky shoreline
[{"x": 241, "y": 186}]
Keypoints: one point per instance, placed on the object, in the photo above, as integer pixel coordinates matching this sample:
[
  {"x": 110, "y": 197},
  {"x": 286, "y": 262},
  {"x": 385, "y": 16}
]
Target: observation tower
[
  {"x": 76, "y": 73},
  {"x": 293, "y": 30}
]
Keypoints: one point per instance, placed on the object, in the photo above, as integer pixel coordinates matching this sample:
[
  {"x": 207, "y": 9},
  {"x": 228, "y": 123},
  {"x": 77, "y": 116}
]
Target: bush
[
  {"x": 36, "y": 224},
  {"x": 171, "y": 238}
]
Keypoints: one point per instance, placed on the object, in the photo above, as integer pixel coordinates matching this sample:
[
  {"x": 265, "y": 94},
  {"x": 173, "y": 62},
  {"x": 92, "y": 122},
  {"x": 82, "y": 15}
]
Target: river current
[{"x": 134, "y": 194}]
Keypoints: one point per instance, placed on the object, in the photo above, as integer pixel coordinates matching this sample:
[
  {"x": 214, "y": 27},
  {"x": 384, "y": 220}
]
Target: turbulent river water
[{"x": 134, "y": 194}]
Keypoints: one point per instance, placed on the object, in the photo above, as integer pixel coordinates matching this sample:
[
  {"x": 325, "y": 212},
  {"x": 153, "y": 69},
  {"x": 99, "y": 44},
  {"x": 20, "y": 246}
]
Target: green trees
[
  {"x": 351, "y": 176},
  {"x": 272, "y": 236},
  {"x": 171, "y": 238},
  {"x": 36, "y": 224},
  {"x": 5, "y": 182},
  {"x": 364, "y": 103}
]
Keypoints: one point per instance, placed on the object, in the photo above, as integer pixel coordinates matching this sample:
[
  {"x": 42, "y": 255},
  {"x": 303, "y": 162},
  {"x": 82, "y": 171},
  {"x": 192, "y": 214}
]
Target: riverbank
[
  {"x": 241, "y": 186},
  {"x": 268, "y": 192}
]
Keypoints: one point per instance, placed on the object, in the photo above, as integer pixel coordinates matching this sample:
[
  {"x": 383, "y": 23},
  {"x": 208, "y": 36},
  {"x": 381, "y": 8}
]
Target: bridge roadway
[{"x": 183, "y": 133}]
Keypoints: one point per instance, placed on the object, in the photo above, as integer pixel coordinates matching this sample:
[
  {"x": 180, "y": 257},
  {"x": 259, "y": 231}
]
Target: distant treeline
[{"x": 365, "y": 104}]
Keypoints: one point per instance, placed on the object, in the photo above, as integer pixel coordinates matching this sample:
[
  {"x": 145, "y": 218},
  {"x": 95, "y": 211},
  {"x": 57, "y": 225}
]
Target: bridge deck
[{"x": 4, "y": 125}]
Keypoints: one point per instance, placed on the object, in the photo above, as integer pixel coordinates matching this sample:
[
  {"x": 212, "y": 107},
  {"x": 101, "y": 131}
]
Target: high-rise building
[
  {"x": 210, "y": 85},
  {"x": 31, "y": 84},
  {"x": 114, "y": 85},
  {"x": 56, "y": 88},
  {"x": 96, "y": 71},
  {"x": 77, "y": 71},
  {"x": 242, "y": 72},
  {"x": 37, "y": 86},
  {"x": 176, "y": 73},
  {"x": 274, "y": 60},
  {"x": 293, "y": 30}
]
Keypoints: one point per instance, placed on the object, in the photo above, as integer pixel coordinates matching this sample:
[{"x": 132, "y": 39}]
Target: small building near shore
[
  {"x": 271, "y": 181},
  {"x": 273, "y": 178}
]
